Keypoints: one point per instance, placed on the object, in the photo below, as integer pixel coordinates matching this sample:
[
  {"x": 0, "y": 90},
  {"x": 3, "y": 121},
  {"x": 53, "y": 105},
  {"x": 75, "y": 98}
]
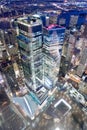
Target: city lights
[{"x": 43, "y": 64}]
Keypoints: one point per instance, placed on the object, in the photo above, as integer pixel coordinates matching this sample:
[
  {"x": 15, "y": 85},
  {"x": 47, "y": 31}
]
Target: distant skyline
[{"x": 50, "y": 0}]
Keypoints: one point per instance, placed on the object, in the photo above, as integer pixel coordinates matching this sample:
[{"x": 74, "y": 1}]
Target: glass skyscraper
[
  {"x": 40, "y": 49},
  {"x": 30, "y": 46},
  {"x": 53, "y": 37}
]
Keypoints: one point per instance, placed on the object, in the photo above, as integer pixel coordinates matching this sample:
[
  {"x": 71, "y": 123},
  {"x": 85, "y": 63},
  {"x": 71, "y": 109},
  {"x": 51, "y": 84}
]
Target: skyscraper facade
[
  {"x": 30, "y": 46},
  {"x": 53, "y": 36},
  {"x": 40, "y": 49},
  {"x": 72, "y": 18},
  {"x": 83, "y": 62}
]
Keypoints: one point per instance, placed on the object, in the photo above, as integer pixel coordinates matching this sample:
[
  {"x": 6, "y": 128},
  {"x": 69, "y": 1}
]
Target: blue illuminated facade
[{"x": 72, "y": 18}]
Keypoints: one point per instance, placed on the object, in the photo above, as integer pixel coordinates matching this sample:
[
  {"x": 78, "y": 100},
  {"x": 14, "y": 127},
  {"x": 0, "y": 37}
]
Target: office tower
[
  {"x": 4, "y": 94},
  {"x": 66, "y": 42},
  {"x": 2, "y": 49},
  {"x": 10, "y": 37},
  {"x": 2, "y": 39},
  {"x": 72, "y": 18},
  {"x": 45, "y": 19},
  {"x": 83, "y": 62},
  {"x": 30, "y": 46},
  {"x": 53, "y": 37},
  {"x": 53, "y": 18},
  {"x": 85, "y": 30},
  {"x": 40, "y": 62},
  {"x": 63, "y": 19},
  {"x": 64, "y": 65},
  {"x": 4, "y": 99}
]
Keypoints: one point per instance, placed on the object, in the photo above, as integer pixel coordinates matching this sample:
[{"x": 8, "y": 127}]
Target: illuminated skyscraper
[
  {"x": 83, "y": 62},
  {"x": 52, "y": 50},
  {"x": 40, "y": 54},
  {"x": 30, "y": 46},
  {"x": 72, "y": 18}
]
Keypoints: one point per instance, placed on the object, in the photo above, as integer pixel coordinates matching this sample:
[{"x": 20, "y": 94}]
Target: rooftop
[
  {"x": 30, "y": 20},
  {"x": 53, "y": 26}
]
